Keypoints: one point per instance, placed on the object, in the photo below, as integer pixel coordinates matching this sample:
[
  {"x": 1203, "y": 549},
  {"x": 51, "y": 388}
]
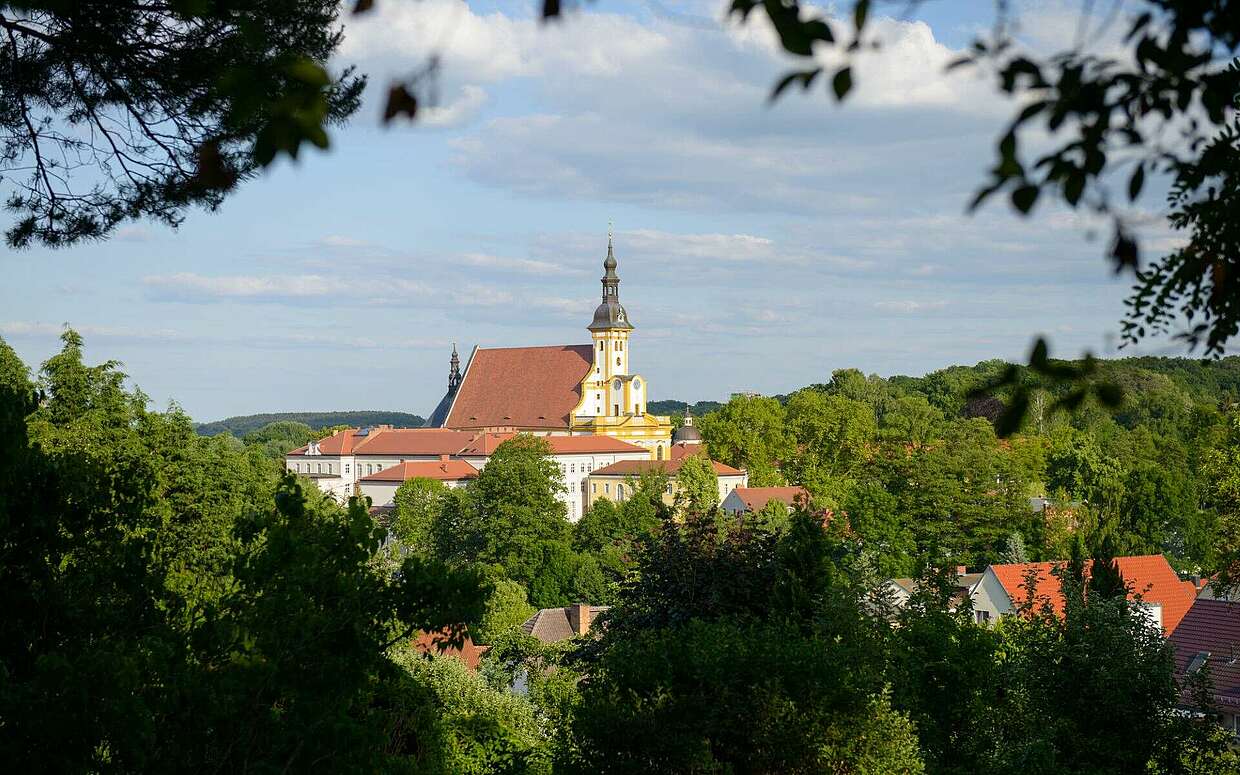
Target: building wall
[
  {"x": 620, "y": 488},
  {"x": 383, "y": 493},
  {"x": 990, "y": 597}
]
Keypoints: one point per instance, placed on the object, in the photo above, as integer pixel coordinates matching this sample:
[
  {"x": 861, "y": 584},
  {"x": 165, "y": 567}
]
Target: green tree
[
  {"x": 749, "y": 432},
  {"x": 740, "y": 652},
  {"x": 507, "y": 607},
  {"x": 169, "y": 104},
  {"x": 698, "y": 484},
  {"x": 452, "y": 721},
  {"x": 910, "y": 420},
  {"x": 417, "y": 503},
  {"x": 832, "y": 435},
  {"x": 510, "y": 515}
]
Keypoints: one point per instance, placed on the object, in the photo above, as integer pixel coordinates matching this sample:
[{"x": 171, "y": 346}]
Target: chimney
[
  {"x": 444, "y": 458},
  {"x": 961, "y": 570},
  {"x": 579, "y": 618}
]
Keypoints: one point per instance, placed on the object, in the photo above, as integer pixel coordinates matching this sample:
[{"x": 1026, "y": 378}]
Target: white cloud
[
  {"x": 459, "y": 111},
  {"x": 44, "y": 330},
  {"x": 521, "y": 265},
  {"x": 908, "y": 307},
  {"x": 189, "y": 286}
]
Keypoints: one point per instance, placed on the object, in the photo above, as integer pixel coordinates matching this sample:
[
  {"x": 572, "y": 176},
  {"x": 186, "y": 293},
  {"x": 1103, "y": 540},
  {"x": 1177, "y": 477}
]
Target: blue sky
[{"x": 760, "y": 247}]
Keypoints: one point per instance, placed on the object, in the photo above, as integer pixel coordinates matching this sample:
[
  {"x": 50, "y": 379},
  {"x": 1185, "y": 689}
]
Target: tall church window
[
  {"x": 600, "y": 346},
  {"x": 659, "y": 452}
]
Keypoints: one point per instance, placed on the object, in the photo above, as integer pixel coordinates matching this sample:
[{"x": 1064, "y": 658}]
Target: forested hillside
[
  {"x": 916, "y": 465},
  {"x": 244, "y": 424}
]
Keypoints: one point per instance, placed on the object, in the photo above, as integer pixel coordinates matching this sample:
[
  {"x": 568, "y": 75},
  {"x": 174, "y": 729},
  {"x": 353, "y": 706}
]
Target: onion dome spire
[
  {"x": 609, "y": 313},
  {"x": 454, "y": 370}
]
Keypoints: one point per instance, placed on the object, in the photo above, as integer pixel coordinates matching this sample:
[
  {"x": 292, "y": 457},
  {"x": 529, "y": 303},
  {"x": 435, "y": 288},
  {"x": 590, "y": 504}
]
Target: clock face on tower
[{"x": 616, "y": 384}]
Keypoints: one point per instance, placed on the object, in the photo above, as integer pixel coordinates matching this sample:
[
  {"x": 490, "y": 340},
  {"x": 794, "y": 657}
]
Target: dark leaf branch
[{"x": 1072, "y": 382}]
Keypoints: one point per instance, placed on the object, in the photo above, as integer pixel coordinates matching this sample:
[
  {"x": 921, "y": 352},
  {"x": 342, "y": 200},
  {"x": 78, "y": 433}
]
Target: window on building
[
  {"x": 600, "y": 346},
  {"x": 658, "y": 453},
  {"x": 983, "y": 617},
  {"x": 616, "y": 409},
  {"x": 617, "y": 360},
  {"x": 606, "y": 487},
  {"x": 572, "y": 468},
  {"x": 619, "y": 345},
  {"x": 595, "y": 487},
  {"x": 346, "y": 468},
  {"x": 669, "y": 488}
]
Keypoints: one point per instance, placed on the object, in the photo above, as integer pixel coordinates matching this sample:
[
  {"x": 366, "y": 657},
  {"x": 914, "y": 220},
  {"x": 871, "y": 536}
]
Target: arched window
[{"x": 659, "y": 452}]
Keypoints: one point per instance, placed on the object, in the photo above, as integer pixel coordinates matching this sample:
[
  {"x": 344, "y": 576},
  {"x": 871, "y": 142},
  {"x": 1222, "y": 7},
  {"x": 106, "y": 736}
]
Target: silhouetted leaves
[
  {"x": 1044, "y": 373},
  {"x": 400, "y": 103},
  {"x": 842, "y": 83}
]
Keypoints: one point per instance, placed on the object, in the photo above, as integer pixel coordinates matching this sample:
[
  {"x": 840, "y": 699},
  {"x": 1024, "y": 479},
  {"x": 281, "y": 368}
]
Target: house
[
  {"x": 551, "y": 625},
  {"x": 616, "y": 482},
  {"x": 898, "y": 591},
  {"x": 1209, "y": 635},
  {"x": 576, "y": 456},
  {"x": 375, "y": 461},
  {"x": 381, "y": 487},
  {"x": 439, "y": 643},
  {"x": 338, "y": 463},
  {"x": 1003, "y": 588},
  {"x": 743, "y": 499}
]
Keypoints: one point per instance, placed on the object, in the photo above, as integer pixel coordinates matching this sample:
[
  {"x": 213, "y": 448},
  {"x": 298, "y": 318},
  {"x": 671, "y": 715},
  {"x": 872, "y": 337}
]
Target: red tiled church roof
[
  {"x": 1147, "y": 575},
  {"x": 521, "y": 387}
]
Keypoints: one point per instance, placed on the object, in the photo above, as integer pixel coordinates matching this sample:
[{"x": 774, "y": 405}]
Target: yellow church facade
[{"x": 565, "y": 389}]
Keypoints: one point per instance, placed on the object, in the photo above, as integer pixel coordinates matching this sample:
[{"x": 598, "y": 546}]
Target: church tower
[
  {"x": 613, "y": 398},
  {"x": 610, "y": 334}
]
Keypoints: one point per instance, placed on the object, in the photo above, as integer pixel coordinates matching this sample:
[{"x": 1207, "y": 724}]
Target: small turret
[
  {"x": 686, "y": 433},
  {"x": 454, "y": 371}
]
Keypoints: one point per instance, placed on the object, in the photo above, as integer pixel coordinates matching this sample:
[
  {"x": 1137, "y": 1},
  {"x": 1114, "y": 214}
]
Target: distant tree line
[{"x": 242, "y": 425}]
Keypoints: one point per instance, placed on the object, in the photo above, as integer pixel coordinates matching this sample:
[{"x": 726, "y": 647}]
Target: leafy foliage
[{"x": 130, "y": 110}]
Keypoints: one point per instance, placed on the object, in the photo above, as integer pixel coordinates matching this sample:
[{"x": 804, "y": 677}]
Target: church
[{"x": 560, "y": 390}]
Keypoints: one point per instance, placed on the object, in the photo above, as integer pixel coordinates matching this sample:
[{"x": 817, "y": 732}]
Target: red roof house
[{"x": 1147, "y": 576}]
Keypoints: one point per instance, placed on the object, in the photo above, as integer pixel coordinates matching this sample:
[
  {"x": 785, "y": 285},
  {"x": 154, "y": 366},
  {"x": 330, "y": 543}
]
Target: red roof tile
[
  {"x": 412, "y": 441},
  {"x": 574, "y": 445},
  {"x": 339, "y": 443},
  {"x": 485, "y": 443},
  {"x": 443, "y": 470},
  {"x": 1211, "y": 627},
  {"x": 439, "y": 643},
  {"x": 755, "y": 498},
  {"x": 669, "y": 467},
  {"x": 523, "y": 387},
  {"x": 1148, "y": 575}
]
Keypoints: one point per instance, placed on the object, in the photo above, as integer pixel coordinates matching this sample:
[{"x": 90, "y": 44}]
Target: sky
[{"x": 760, "y": 246}]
